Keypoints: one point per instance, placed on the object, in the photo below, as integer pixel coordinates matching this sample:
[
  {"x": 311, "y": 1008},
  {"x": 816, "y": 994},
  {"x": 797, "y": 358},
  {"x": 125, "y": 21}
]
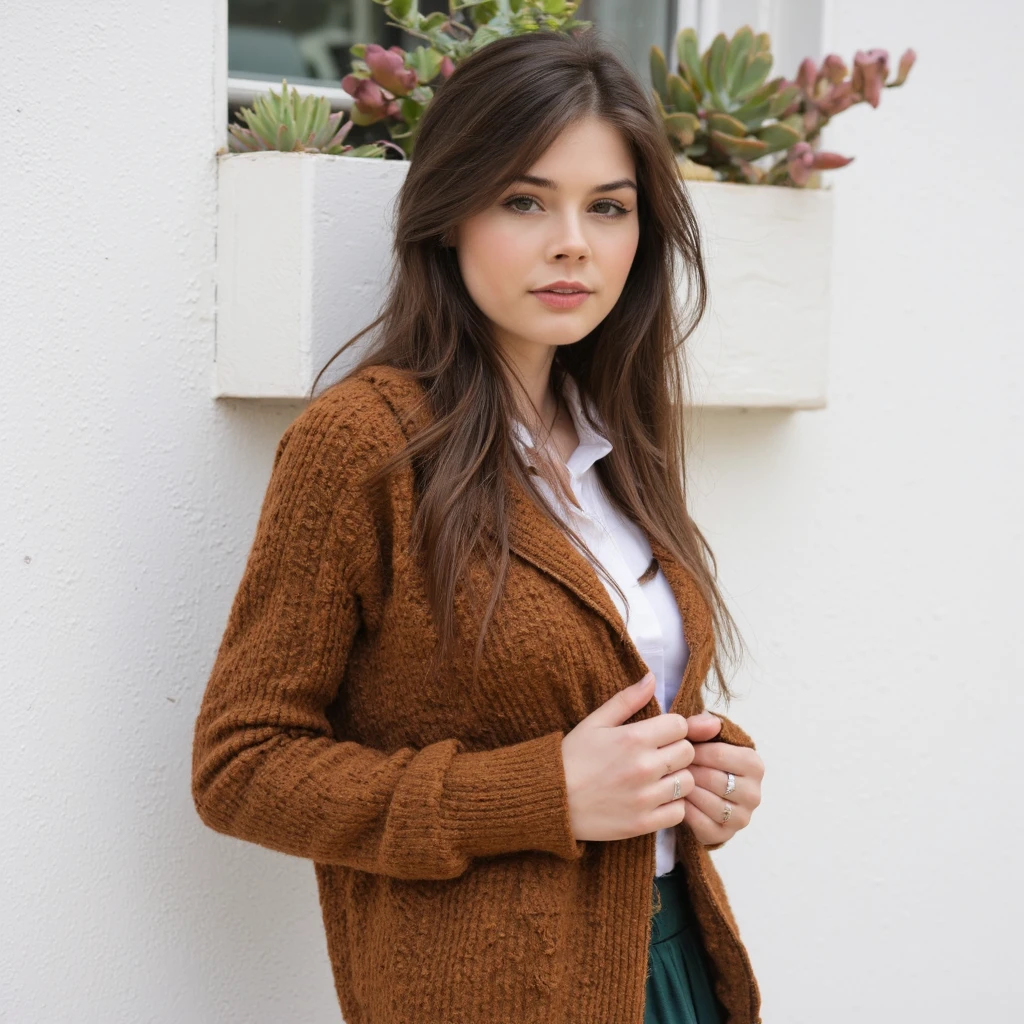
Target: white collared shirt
[{"x": 652, "y": 617}]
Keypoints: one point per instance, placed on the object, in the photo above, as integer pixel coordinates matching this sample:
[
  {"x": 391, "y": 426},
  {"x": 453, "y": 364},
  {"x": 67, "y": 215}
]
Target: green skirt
[{"x": 679, "y": 989}]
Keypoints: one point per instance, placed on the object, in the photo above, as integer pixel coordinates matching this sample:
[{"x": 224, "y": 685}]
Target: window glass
[
  {"x": 307, "y": 41},
  {"x": 633, "y": 28}
]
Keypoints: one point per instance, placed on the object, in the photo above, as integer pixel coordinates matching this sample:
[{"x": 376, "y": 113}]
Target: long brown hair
[{"x": 490, "y": 121}]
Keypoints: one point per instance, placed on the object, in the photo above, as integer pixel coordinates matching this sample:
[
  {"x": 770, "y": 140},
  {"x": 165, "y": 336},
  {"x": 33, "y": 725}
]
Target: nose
[{"x": 569, "y": 239}]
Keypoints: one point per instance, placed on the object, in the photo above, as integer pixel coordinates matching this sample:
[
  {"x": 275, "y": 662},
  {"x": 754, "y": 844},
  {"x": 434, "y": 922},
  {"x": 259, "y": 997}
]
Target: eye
[
  {"x": 619, "y": 209},
  {"x": 518, "y": 199},
  {"x": 616, "y": 209}
]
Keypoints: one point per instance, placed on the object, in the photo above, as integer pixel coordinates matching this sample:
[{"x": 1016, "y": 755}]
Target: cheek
[
  {"x": 617, "y": 256},
  {"x": 495, "y": 260}
]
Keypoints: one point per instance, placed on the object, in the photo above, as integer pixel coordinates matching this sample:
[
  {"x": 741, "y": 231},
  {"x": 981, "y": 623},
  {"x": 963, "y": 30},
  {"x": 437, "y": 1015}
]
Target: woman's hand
[
  {"x": 712, "y": 760},
  {"x": 621, "y": 778}
]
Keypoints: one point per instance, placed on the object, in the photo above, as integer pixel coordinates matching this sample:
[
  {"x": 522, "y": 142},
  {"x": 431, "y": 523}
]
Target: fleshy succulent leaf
[
  {"x": 755, "y": 73},
  {"x": 778, "y": 136},
  {"x": 830, "y": 161},
  {"x": 906, "y": 63},
  {"x": 659, "y": 73},
  {"x": 681, "y": 95},
  {"x": 716, "y": 69},
  {"x": 748, "y": 148},
  {"x": 783, "y": 99},
  {"x": 727, "y": 124},
  {"x": 740, "y": 45},
  {"x": 690, "y": 64},
  {"x": 761, "y": 97},
  {"x": 682, "y": 126}
]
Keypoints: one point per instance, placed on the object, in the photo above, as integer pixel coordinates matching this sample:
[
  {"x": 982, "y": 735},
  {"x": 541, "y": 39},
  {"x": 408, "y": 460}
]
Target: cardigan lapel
[{"x": 547, "y": 547}]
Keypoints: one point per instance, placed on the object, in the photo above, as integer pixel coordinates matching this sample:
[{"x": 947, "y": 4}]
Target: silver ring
[
  {"x": 727, "y": 813},
  {"x": 677, "y": 789},
  {"x": 730, "y": 784}
]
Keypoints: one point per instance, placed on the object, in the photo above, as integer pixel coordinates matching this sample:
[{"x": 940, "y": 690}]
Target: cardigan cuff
[{"x": 510, "y": 799}]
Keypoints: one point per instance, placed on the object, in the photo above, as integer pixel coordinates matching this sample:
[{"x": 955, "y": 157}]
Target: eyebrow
[{"x": 611, "y": 186}]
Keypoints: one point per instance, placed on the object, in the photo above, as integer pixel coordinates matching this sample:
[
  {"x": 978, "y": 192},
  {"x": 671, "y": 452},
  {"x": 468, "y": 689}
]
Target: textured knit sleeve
[
  {"x": 266, "y": 765},
  {"x": 729, "y": 733}
]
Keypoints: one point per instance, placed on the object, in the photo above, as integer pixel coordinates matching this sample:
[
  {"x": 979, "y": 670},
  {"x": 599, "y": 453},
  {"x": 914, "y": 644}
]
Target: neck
[{"x": 530, "y": 366}]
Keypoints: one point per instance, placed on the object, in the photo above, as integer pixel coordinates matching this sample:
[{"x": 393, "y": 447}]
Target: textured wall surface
[{"x": 872, "y": 552}]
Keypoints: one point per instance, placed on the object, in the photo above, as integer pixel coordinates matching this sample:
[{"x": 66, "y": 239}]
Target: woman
[{"x": 462, "y": 672}]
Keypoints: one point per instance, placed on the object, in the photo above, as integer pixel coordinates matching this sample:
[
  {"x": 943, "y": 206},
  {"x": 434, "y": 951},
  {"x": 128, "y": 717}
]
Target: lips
[
  {"x": 561, "y": 300},
  {"x": 563, "y": 287}
]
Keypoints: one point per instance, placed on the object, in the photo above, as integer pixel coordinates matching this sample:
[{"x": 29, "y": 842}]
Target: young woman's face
[{"x": 580, "y": 224}]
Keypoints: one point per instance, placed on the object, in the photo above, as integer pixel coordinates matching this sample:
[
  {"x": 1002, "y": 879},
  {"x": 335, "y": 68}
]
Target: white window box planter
[
  {"x": 304, "y": 252},
  {"x": 763, "y": 341}
]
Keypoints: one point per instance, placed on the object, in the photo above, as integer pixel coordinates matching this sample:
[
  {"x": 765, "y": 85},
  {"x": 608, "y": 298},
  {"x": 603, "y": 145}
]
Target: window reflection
[{"x": 307, "y": 42}]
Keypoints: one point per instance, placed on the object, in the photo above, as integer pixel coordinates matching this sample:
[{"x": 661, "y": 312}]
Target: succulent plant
[
  {"x": 290, "y": 123},
  {"x": 722, "y": 112},
  {"x": 394, "y": 86},
  {"x": 826, "y": 91},
  {"x": 718, "y": 108}
]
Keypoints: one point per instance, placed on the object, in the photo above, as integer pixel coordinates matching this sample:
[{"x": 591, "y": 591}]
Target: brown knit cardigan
[{"x": 452, "y": 888}]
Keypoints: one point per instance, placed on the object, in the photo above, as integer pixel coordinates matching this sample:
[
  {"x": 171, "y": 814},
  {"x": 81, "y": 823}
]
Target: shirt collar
[{"x": 594, "y": 443}]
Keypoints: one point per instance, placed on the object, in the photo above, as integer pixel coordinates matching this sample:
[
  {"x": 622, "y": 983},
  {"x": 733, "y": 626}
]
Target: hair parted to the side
[{"x": 491, "y": 120}]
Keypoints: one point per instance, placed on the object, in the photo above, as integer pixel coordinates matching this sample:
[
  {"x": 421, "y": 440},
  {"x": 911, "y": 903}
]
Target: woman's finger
[
  {"x": 715, "y": 781},
  {"x": 706, "y": 830},
  {"x": 714, "y": 807},
  {"x": 728, "y": 757}
]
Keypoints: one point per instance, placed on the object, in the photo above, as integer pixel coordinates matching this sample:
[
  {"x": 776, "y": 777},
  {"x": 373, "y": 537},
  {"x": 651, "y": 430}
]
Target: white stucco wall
[{"x": 872, "y": 552}]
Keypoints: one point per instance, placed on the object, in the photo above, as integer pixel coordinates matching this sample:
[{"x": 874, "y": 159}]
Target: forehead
[{"x": 588, "y": 153}]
